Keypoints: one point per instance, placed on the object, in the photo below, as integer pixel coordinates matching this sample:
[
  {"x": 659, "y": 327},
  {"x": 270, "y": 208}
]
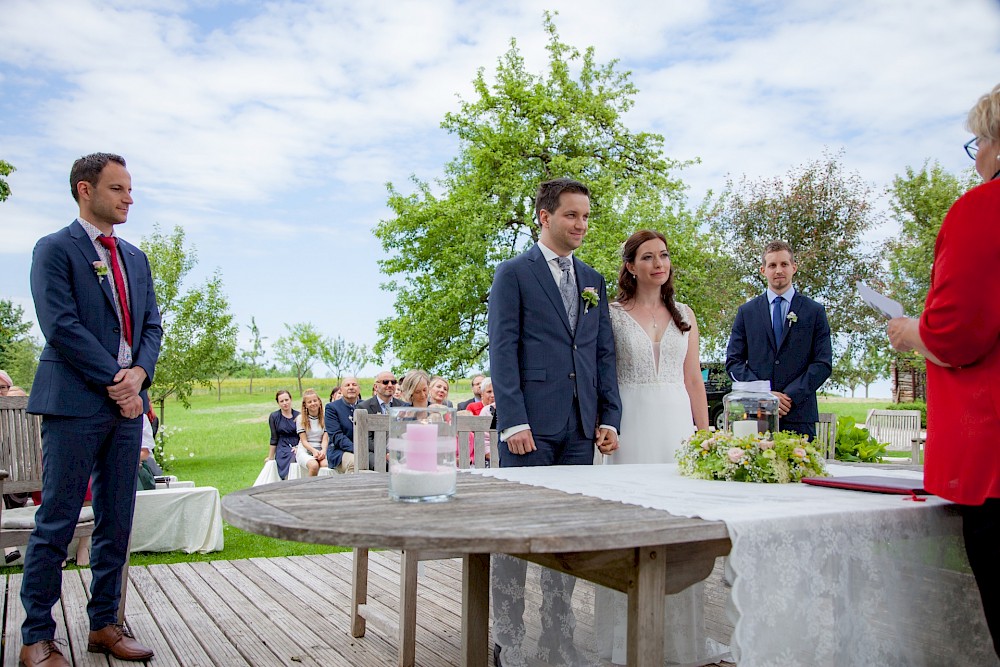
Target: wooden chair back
[
  {"x": 20, "y": 446},
  {"x": 472, "y": 429},
  {"x": 899, "y": 428},
  {"x": 826, "y": 434}
]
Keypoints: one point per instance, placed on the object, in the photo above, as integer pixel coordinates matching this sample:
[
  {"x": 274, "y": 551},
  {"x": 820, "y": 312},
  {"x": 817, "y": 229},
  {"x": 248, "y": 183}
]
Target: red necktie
[{"x": 109, "y": 242}]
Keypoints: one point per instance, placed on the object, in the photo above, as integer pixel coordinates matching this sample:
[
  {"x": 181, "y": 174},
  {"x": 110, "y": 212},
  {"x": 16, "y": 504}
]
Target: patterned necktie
[
  {"x": 777, "y": 323},
  {"x": 567, "y": 289},
  {"x": 119, "y": 278}
]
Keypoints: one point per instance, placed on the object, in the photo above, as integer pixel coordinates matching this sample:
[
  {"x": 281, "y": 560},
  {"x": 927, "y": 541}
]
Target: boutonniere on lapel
[
  {"x": 792, "y": 318},
  {"x": 590, "y": 298},
  {"x": 101, "y": 269}
]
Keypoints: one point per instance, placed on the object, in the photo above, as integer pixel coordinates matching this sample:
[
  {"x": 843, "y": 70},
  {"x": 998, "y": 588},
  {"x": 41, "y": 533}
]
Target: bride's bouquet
[{"x": 788, "y": 457}]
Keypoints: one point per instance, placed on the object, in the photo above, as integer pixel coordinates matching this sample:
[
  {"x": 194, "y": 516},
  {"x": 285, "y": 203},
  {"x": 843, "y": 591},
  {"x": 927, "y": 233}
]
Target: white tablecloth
[
  {"x": 819, "y": 576},
  {"x": 178, "y": 519}
]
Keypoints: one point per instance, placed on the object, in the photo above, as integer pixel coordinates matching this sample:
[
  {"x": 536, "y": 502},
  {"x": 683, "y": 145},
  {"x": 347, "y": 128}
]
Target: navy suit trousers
[{"x": 73, "y": 447}]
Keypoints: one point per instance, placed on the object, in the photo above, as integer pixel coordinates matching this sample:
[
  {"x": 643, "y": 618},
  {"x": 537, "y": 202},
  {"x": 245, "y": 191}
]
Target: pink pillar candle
[{"x": 420, "y": 447}]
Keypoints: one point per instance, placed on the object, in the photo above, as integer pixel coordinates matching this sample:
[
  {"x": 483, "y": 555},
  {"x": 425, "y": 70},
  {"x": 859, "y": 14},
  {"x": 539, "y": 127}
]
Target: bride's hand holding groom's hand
[{"x": 606, "y": 441}]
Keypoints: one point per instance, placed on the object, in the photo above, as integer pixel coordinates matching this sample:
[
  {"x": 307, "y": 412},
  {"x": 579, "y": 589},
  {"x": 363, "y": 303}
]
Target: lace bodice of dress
[{"x": 634, "y": 350}]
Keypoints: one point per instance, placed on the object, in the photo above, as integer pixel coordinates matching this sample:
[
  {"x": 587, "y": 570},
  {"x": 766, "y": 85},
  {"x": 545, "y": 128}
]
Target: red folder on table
[{"x": 872, "y": 484}]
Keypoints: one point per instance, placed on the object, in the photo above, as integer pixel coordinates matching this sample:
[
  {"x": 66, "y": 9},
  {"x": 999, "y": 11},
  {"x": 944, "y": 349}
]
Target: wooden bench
[
  {"x": 826, "y": 435},
  {"x": 899, "y": 428},
  {"x": 471, "y": 430}
]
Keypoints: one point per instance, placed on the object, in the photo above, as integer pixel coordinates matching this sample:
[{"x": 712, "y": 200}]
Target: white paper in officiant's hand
[{"x": 880, "y": 302}]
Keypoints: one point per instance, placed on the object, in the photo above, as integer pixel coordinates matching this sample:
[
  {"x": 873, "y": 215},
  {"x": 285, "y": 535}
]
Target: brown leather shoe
[
  {"x": 42, "y": 654},
  {"x": 117, "y": 641}
]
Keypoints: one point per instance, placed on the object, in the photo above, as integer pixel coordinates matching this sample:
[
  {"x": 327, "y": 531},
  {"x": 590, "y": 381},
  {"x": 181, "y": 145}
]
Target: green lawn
[{"x": 222, "y": 441}]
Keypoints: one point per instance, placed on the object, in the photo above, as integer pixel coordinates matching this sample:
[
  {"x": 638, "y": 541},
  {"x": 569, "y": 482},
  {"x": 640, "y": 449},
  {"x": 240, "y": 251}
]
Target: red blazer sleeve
[{"x": 960, "y": 324}]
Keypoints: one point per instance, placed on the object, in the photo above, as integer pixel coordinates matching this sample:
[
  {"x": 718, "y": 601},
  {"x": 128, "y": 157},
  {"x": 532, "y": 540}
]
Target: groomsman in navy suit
[
  {"x": 552, "y": 362},
  {"x": 784, "y": 337},
  {"x": 94, "y": 300}
]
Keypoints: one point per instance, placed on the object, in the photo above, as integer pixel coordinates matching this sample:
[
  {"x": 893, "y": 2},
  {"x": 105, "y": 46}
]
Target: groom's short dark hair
[
  {"x": 88, "y": 168},
  {"x": 550, "y": 191}
]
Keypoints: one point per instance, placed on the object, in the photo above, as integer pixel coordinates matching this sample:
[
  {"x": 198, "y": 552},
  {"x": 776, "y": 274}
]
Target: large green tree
[
  {"x": 826, "y": 214},
  {"x": 6, "y": 169},
  {"x": 445, "y": 239},
  {"x": 199, "y": 332},
  {"x": 920, "y": 200}
]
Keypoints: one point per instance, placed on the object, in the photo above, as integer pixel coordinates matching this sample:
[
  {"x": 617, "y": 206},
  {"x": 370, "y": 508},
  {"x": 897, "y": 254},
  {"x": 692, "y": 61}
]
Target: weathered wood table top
[
  {"x": 643, "y": 552},
  {"x": 485, "y": 516}
]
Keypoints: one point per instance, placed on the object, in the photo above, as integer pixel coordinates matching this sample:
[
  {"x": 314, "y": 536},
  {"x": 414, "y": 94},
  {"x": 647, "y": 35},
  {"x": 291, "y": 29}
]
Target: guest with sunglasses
[{"x": 384, "y": 398}]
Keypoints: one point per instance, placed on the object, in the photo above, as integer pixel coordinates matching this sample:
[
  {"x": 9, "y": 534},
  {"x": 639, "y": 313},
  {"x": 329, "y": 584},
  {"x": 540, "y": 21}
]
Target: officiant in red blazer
[{"x": 959, "y": 335}]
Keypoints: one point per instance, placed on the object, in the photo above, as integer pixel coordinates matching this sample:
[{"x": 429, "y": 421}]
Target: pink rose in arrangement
[
  {"x": 799, "y": 452},
  {"x": 735, "y": 454},
  {"x": 765, "y": 444}
]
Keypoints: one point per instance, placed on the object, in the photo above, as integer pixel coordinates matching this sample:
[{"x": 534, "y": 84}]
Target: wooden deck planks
[{"x": 260, "y": 613}]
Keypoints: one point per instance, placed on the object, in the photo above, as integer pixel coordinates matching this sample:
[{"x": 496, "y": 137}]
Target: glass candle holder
[
  {"x": 422, "y": 453},
  {"x": 751, "y": 409}
]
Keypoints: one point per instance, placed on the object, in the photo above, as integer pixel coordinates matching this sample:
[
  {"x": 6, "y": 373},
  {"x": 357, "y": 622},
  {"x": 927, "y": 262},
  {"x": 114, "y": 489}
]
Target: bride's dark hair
[{"x": 626, "y": 281}]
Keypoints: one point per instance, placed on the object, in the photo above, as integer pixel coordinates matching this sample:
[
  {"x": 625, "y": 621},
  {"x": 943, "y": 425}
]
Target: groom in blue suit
[
  {"x": 784, "y": 337},
  {"x": 94, "y": 300},
  {"x": 552, "y": 362}
]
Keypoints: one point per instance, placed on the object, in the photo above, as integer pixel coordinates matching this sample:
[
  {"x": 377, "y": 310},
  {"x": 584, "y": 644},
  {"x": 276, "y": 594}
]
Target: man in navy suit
[
  {"x": 94, "y": 300},
  {"x": 384, "y": 398},
  {"x": 339, "y": 420},
  {"x": 552, "y": 362},
  {"x": 784, "y": 337}
]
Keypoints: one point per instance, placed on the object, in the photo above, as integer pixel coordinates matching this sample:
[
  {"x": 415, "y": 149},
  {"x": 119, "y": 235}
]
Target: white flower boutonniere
[
  {"x": 792, "y": 317},
  {"x": 101, "y": 269},
  {"x": 590, "y": 298}
]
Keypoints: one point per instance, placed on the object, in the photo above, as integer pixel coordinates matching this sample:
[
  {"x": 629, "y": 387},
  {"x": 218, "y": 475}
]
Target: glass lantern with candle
[
  {"x": 422, "y": 453},
  {"x": 751, "y": 409}
]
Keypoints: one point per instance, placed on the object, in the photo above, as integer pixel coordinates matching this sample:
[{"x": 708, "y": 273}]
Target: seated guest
[
  {"x": 313, "y": 439},
  {"x": 384, "y": 398},
  {"x": 414, "y": 387},
  {"x": 477, "y": 383},
  {"x": 284, "y": 435},
  {"x": 487, "y": 402},
  {"x": 146, "y": 458},
  {"x": 335, "y": 393},
  {"x": 487, "y": 406},
  {"x": 5, "y": 383},
  {"x": 439, "y": 391},
  {"x": 340, "y": 426}
]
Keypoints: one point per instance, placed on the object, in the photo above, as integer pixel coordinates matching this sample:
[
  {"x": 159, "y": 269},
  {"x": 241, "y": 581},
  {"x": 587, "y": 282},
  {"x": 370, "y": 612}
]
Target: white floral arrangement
[{"x": 783, "y": 458}]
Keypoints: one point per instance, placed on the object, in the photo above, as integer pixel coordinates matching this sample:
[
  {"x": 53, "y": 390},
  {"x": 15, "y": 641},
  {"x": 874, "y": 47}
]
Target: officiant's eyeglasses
[{"x": 971, "y": 146}]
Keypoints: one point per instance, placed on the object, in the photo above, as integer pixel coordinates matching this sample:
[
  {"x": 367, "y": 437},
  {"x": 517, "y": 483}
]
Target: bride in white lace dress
[{"x": 663, "y": 400}]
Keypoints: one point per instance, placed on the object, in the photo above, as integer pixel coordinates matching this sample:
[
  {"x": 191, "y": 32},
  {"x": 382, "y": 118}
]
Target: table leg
[
  {"x": 646, "y": 608},
  {"x": 475, "y": 610}
]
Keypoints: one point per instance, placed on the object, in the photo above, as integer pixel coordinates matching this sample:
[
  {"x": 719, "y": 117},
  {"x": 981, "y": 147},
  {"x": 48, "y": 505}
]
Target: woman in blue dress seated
[{"x": 284, "y": 436}]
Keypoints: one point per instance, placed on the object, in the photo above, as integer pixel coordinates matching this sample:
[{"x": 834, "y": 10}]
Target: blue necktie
[{"x": 777, "y": 323}]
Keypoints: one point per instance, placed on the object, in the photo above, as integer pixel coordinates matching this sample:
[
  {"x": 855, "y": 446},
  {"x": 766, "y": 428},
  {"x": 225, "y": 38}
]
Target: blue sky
[{"x": 269, "y": 129}]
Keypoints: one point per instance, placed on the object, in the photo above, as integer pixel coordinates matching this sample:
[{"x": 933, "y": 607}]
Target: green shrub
[
  {"x": 914, "y": 405},
  {"x": 855, "y": 444}
]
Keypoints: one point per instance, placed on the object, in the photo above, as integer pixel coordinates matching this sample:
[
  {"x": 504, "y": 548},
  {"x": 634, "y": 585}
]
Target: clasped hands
[
  {"x": 784, "y": 403},
  {"x": 523, "y": 442},
  {"x": 125, "y": 391}
]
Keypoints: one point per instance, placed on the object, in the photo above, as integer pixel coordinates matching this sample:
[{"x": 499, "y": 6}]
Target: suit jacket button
[
  {"x": 777, "y": 362},
  {"x": 117, "y": 330},
  {"x": 574, "y": 347},
  {"x": 572, "y": 376}
]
